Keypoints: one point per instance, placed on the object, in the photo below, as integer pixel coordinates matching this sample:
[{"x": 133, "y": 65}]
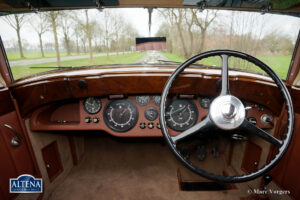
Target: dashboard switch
[
  {"x": 266, "y": 119},
  {"x": 87, "y": 120},
  {"x": 150, "y": 125},
  {"x": 252, "y": 120},
  {"x": 96, "y": 119},
  {"x": 158, "y": 126},
  {"x": 142, "y": 125}
]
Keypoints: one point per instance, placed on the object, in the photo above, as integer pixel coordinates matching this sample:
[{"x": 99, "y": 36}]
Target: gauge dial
[
  {"x": 156, "y": 100},
  {"x": 142, "y": 100},
  {"x": 205, "y": 103},
  {"x": 120, "y": 115},
  {"x": 151, "y": 114},
  {"x": 181, "y": 114},
  {"x": 92, "y": 105}
]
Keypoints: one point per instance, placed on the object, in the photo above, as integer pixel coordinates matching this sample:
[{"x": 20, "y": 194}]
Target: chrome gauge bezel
[
  {"x": 133, "y": 121},
  {"x": 97, "y": 100},
  {"x": 139, "y": 102},
  {"x": 194, "y": 109},
  {"x": 157, "y": 103},
  {"x": 155, "y": 114}
]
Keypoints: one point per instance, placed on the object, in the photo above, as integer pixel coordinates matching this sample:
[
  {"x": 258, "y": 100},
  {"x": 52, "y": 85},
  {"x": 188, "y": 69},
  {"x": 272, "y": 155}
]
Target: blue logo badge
[{"x": 25, "y": 184}]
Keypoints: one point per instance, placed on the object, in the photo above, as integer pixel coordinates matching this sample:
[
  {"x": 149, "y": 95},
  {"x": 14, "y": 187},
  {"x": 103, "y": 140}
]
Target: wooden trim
[
  {"x": 28, "y": 142},
  {"x": 134, "y": 80}
]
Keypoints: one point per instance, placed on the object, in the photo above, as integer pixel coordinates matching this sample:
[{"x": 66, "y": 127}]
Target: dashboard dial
[
  {"x": 151, "y": 114},
  {"x": 205, "y": 103},
  {"x": 156, "y": 100},
  {"x": 120, "y": 115},
  {"x": 92, "y": 105},
  {"x": 181, "y": 114},
  {"x": 142, "y": 100}
]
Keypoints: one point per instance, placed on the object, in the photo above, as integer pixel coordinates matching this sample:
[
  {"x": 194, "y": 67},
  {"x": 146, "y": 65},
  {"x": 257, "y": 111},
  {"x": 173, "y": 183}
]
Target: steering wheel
[{"x": 227, "y": 112}]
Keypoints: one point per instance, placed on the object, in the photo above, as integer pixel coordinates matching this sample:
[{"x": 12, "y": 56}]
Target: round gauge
[
  {"x": 156, "y": 100},
  {"x": 151, "y": 114},
  {"x": 92, "y": 105},
  {"x": 142, "y": 100},
  {"x": 120, "y": 115},
  {"x": 205, "y": 103},
  {"x": 181, "y": 114}
]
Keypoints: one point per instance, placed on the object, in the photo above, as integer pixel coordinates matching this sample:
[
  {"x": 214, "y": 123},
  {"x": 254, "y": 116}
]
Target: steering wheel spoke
[
  {"x": 251, "y": 128},
  {"x": 225, "y": 77},
  {"x": 228, "y": 113},
  {"x": 201, "y": 126}
]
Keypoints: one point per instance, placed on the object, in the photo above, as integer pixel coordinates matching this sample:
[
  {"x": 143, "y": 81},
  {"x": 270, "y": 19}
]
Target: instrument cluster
[{"x": 124, "y": 115}]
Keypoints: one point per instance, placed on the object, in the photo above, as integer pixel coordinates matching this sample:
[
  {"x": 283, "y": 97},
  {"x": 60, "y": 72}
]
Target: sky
[{"x": 139, "y": 18}]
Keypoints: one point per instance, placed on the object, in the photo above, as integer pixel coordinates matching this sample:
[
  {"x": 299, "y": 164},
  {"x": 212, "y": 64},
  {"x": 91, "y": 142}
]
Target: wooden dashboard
[
  {"x": 34, "y": 92},
  {"x": 71, "y": 116}
]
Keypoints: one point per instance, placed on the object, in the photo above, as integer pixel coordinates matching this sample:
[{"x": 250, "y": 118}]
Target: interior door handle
[{"x": 17, "y": 139}]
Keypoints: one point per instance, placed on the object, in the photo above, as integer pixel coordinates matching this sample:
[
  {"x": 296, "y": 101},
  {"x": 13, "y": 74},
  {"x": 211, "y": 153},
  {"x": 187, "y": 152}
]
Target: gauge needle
[
  {"x": 124, "y": 110},
  {"x": 178, "y": 110},
  {"x": 151, "y": 114}
]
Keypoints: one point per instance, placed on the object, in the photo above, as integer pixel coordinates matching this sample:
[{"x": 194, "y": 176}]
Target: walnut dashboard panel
[
  {"x": 31, "y": 94},
  {"x": 71, "y": 116}
]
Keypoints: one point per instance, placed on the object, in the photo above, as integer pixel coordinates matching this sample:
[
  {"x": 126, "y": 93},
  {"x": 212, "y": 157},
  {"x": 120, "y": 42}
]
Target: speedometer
[
  {"x": 181, "y": 114},
  {"x": 120, "y": 115},
  {"x": 92, "y": 105}
]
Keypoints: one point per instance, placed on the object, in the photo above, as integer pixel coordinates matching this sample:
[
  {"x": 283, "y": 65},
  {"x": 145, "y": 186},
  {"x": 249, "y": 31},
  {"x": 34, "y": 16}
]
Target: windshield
[{"x": 54, "y": 40}]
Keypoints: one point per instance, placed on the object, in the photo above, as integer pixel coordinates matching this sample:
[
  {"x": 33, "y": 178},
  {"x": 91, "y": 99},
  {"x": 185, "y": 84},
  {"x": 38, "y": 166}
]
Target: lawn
[
  {"x": 21, "y": 71},
  {"x": 280, "y": 64},
  {"x": 14, "y": 56}
]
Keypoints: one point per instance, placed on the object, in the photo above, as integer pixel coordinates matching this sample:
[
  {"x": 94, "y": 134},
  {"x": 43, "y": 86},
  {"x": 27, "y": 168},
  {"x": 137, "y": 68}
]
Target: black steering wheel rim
[{"x": 283, "y": 90}]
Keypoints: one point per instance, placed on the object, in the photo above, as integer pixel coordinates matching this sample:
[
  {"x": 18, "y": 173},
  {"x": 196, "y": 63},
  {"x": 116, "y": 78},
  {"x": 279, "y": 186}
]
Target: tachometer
[
  {"x": 92, "y": 105},
  {"x": 181, "y": 114},
  {"x": 120, "y": 115}
]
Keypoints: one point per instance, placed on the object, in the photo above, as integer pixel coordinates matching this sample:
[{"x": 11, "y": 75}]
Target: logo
[{"x": 25, "y": 184}]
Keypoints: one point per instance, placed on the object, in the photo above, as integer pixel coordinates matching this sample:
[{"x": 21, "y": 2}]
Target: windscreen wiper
[
  {"x": 175, "y": 62},
  {"x": 56, "y": 67}
]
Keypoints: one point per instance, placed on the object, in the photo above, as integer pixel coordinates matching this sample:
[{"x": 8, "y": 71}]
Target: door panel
[
  {"x": 15, "y": 160},
  {"x": 7, "y": 170},
  {"x": 20, "y": 155}
]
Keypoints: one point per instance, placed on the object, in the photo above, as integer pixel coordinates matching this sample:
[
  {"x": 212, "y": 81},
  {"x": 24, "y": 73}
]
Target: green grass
[
  {"x": 14, "y": 56},
  {"x": 21, "y": 71},
  {"x": 173, "y": 57},
  {"x": 280, "y": 64}
]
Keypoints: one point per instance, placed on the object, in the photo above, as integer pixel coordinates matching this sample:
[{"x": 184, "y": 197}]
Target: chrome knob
[{"x": 228, "y": 111}]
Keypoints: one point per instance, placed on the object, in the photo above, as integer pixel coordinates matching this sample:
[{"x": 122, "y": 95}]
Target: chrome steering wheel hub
[{"x": 227, "y": 112}]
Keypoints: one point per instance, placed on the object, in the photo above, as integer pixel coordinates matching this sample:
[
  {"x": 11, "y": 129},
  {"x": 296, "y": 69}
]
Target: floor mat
[{"x": 124, "y": 169}]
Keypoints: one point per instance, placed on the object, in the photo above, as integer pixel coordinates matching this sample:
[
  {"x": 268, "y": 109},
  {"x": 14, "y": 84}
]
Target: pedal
[{"x": 184, "y": 151}]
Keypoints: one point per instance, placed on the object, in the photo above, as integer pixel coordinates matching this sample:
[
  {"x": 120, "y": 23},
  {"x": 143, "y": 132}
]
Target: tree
[
  {"x": 89, "y": 34},
  {"x": 203, "y": 23},
  {"x": 53, "y": 17},
  {"x": 87, "y": 27},
  {"x": 77, "y": 36},
  {"x": 66, "y": 24},
  {"x": 40, "y": 26},
  {"x": 107, "y": 33},
  {"x": 16, "y": 22}
]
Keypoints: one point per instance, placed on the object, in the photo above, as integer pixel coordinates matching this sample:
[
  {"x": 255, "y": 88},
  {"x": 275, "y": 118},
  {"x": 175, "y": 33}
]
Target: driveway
[{"x": 152, "y": 57}]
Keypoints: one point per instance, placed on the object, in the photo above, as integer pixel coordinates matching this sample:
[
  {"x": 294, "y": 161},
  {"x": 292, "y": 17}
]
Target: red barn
[{"x": 151, "y": 43}]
